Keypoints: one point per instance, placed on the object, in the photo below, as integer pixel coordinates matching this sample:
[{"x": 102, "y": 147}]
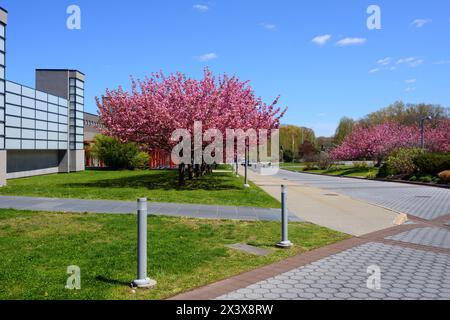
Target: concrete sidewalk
[
  {"x": 329, "y": 209},
  {"x": 125, "y": 207}
]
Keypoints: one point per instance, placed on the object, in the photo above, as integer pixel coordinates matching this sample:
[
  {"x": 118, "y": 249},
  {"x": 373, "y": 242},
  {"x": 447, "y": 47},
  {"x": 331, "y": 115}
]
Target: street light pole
[
  {"x": 422, "y": 131},
  {"x": 246, "y": 185}
]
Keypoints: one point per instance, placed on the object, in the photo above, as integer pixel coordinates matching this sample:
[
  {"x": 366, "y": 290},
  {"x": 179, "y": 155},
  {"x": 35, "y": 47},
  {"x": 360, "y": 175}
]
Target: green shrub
[
  {"x": 140, "y": 161},
  {"x": 429, "y": 179},
  {"x": 324, "y": 162},
  {"x": 401, "y": 161},
  {"x": 288, "y": 156},
  {"x": 310, "y": 167},
  {"x": 385, "y": 171},
  {"x": 360, "y": 165},
  {"x": 432, "y": 163},
  {"x": 117, "y": 155},
  {"x": 371, "y": 175}
]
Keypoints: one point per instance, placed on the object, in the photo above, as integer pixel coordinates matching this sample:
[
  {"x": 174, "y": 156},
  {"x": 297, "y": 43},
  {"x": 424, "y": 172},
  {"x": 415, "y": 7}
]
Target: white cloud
[
  {"x": 351, "y": 41},
  {"x": 410, "y": 89},
  {"x": 207, "y": 57},
  {"x": 201, "y": 7},
  {"x": 419, "y": 23},
  {"x": 406, "y": 60},
  {"x": 375, "y": 70},
  {"x": 443, "y": 62},
  {"x": 411, "y": 61},
  {"x": 321, "y": 40},
  {"x": 385, "y": 61},
  {"x": 411, "y": 81},
  {"x": 269, "y": 26}
]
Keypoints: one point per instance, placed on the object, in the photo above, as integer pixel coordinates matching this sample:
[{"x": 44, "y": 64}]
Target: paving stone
[
  {"x": 434, "y": 237},
  {"x": 431, "y": 282},
  {"x": 250, "y": 249}
]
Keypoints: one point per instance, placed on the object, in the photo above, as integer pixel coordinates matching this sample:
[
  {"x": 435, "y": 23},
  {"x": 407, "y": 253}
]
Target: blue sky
[{"x": 347, "y": 70}]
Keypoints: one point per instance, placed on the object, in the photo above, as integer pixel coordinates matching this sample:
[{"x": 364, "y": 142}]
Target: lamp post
[
  {"x": 422, "y": 130},
  {"x": 246, "y": 185}
]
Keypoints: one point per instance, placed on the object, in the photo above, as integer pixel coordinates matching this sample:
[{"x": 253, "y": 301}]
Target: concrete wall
[
  {"x": 55, "y": 82},
  {"x": 77, "y": 160},
  {"x": 3, "y": 175}
]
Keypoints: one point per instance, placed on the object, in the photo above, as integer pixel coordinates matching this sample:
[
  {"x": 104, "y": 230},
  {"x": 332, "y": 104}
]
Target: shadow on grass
[
  {"x": 113, "y": 281},
  {"x": 164, "y": 180}
]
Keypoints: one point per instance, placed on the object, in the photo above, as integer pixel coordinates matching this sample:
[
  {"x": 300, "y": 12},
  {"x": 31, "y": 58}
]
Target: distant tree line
[
  {"x": 298, "y": 143},
  {"x": 398, "y": 112}
]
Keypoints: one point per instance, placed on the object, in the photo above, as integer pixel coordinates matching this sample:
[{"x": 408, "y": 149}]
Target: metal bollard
[
  {"x": 142, "y": 280},
  {"x": 285, "y": 243},
  {"x": 247, "y": 155}
]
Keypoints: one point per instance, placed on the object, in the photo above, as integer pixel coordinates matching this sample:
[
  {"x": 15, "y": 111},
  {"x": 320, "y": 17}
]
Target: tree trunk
[
  {"x": 190, "y": 172},
  {"x": 197, "y": 171},
  {"x": 181, "y": 173}
]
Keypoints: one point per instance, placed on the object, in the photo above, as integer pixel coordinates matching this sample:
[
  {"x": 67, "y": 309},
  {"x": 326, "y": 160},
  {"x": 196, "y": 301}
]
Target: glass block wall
[
  {"x": 35, "y": 120},
  {"x": 76, "y": 91},
  {"x": 2, "y": 84}
]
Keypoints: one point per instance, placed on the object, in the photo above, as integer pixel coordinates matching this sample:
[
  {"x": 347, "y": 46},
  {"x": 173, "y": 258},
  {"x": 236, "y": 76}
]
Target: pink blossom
[
  {"x": 378, "y": 141},
  {"x": 158, "y": 105}
]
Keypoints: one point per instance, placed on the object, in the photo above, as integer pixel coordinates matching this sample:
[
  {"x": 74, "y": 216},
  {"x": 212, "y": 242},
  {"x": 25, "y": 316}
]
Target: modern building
[
  {"x": 92, "y": 127},
  {"x": 41, "y": 129}
]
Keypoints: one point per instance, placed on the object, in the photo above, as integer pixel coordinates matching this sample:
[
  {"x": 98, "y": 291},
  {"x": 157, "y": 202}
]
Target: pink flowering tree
[
  {"x": 376, "y": 142},
  {"x": 159, "y": 105}
]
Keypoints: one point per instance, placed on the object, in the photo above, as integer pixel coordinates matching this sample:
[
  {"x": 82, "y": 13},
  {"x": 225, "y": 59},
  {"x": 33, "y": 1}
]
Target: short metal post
[
  {"x": 142, "y": 280},
  {"x": 246, "y": 185},
  {"x": 285, "y": 243}
]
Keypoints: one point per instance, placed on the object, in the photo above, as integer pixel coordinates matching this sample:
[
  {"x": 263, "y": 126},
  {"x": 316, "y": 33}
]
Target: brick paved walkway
[
  {"x": 125, "y": 207},
  {"x": 414, "y": 261}
]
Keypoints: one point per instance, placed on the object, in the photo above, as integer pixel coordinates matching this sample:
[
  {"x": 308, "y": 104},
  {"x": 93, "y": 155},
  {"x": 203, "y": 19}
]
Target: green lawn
[
  {"x": 37, "y": 247},
  {"x": 220, "y": 188},
  {"x": 346, "y": 171}
]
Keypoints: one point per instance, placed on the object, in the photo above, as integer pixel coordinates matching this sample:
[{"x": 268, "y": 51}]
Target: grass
[
  {"x": 347, "y": 171},
  {"x": 36, "y": 249},
  {"x": 220, "y": 188}
]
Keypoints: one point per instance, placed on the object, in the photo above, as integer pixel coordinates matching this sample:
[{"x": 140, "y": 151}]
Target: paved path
[
  {"x": 421, "y": 201},
  {"x": 326, "y": 207},
  {"x": 413, "y": 260},
  {"x": 124, "y": 207}
]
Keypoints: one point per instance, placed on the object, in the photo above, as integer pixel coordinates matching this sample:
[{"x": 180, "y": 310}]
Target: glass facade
[
  {"x": 34, "y": 120},
  {"x": 76, "y": 116},
  {"x": 2, "y": 84}
]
